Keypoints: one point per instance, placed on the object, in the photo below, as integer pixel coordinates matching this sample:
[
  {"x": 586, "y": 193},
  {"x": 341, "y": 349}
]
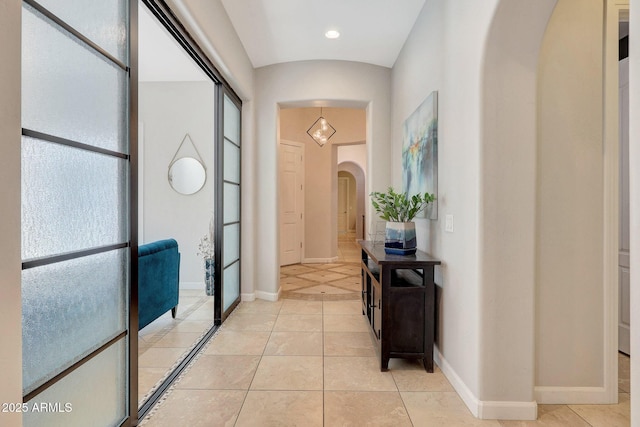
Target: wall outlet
[{"x": 448, "y": 223}]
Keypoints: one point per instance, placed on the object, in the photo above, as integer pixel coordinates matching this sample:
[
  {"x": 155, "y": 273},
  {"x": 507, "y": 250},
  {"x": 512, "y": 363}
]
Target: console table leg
[
  {"x": 384, "y": 364},
  {"x": 428, "y": 364}
]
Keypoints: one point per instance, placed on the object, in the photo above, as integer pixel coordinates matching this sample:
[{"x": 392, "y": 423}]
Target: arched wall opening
[
  {"x": 299, "y": 84},
  {"x": 318, "y": 218},
  {"x": 507, "y": 211},
  {"x": 542, "y": 149},
  {"x": 358, "y": 174}
]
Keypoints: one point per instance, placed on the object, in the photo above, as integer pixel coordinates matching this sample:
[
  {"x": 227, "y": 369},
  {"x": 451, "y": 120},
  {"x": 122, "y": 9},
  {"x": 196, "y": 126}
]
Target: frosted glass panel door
[
  {"x": 229, "y": 235},
  {"x": 75, "y": 212}
]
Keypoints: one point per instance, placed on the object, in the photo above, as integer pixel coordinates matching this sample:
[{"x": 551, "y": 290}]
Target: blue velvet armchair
[{"x": 158, "y": 278}]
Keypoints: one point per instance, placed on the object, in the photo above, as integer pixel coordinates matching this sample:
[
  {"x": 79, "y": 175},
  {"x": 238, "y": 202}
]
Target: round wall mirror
[{"x": 187, "y": 175}]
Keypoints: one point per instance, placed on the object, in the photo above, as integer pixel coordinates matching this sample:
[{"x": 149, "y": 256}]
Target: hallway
[
  {"x": 308, "y": 360},
  {"x": 312, "y": 363}
]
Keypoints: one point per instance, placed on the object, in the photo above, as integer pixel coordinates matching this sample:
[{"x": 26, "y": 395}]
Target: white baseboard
[
  {"x": 319, "y": 260},
  {"x": 248, "y": 297},
  {"x": 490, "y": 410},
  {"x": 572, "y": 395},
  {"x": 191, "y": 285},
  {"x": 461, "y": 388},
  {"x": 268, "y": 296},
  {"x": 506, "y": 410}
]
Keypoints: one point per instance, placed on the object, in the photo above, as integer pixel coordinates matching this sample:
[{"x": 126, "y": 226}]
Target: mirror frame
[{"x": 190, "y": 189}]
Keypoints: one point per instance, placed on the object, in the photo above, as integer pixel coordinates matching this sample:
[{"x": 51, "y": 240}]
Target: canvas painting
[{"x": 420, "y": 153}]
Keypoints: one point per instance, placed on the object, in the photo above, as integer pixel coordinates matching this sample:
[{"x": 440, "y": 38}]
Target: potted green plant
[{"x": 399, "y": 209}]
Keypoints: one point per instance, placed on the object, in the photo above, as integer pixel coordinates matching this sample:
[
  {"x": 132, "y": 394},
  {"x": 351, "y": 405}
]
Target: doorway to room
[
  {"x": 351, "y": 202},
  {"x": 346, "y": 183},
  {"x": 624, "y": 310},
  {"x": 352, "y": 198},
  {"x": 189, "y": 191},
  {"x": 624, "y": 279},
  {"x": 176, "y": 111},
  {"x": 310, "y": 186},
  {"x": 317, "y": 181}
]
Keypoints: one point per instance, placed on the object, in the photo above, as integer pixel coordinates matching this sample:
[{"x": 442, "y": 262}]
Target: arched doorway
[
  {"x": 508, "y": 120},
  {"x": 512, "y": 113},
  {"x": 355, "y": 216}
]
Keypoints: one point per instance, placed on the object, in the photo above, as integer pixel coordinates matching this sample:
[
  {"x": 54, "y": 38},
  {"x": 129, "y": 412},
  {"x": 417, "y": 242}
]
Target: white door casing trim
[
  {"x": 624, "y": 337},
  {"x": 301, "y": 221},
  {"x": 613, "y": 9}
]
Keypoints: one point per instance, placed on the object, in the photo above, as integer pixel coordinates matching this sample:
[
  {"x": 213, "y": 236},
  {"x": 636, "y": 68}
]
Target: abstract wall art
[{"x": 420, "y": 153}]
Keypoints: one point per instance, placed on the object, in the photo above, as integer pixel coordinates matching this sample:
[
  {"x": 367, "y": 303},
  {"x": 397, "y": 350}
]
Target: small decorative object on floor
[
  {"x": 206, "y": 251},
  {"x": 398, "y": 209},
  {"x": 208, "y": 276}
]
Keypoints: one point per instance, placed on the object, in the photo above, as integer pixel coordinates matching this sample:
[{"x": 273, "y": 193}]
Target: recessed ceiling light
[{"x": 332, "y": 34}]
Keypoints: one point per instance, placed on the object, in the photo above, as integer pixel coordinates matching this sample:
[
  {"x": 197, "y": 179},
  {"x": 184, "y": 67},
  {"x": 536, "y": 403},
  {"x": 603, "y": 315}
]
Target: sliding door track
[{"x": 157, "y": 394}]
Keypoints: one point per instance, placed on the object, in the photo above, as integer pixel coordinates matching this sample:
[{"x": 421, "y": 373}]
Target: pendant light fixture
[{"x": 321, "y": 130}]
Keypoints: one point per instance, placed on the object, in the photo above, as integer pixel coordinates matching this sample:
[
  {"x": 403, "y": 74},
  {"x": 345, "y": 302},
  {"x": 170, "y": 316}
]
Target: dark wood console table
[{"x": 398, "y": 298}]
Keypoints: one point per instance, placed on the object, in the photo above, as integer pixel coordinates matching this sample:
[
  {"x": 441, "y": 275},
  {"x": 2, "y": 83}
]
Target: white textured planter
[{"x": 400, "y": 238}]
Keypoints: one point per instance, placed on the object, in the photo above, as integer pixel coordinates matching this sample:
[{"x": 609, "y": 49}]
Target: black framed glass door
[
  {"x": 228, "y": 223},
  {"x": 227, "y": 123},
  {"x": 76, "y": 168}
]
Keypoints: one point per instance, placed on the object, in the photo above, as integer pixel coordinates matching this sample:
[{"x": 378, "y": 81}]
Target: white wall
[
  {"x": 169, "y": 110},
  {"x": 349, "y": 123},
  {"x": 10, "y": 257},
  {"x": 542, "y": 186},
  {"x": 339, "y": 84},
  {"x": 507, "y": 207},
  {"x": 569, "y": 209},
  {"x": 209, "y": 25},
  {"x": 482, "y": 58},
  {"x": 444, "y": 53},
  {"x": 353, "y": 153}
]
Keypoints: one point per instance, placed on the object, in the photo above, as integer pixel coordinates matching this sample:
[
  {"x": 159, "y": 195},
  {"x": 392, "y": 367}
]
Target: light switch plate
[{"x": 448, "y": 223}]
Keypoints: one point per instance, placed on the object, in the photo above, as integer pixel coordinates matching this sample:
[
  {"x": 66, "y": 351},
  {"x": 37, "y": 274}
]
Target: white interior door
[
  {"x": 624, "y": 313},
  {"x": 343, "y": 203},
  {"x": 291, "y": 202}
]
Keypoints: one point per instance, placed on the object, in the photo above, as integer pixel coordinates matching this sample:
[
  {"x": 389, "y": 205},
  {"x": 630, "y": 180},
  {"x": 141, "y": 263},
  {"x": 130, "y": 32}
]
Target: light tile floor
[
  {"x": 348, "y": 249},
  {"x": 309, "y": 361},
  {"x": 271, "y": 365},
  {"x": 165, "y": 342}
]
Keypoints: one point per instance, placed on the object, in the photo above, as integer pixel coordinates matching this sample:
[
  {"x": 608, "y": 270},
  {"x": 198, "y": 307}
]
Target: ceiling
[{"x": 275, "y": 31}]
